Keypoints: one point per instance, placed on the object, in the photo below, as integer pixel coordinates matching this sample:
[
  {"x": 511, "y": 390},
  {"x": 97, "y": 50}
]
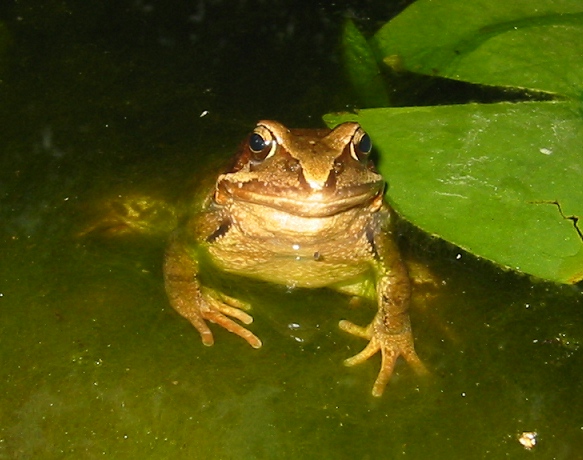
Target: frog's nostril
[{"x": 292, "y": 165}]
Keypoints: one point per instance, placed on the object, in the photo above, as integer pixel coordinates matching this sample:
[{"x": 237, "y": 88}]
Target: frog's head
[{"x": 305, "y": 172}]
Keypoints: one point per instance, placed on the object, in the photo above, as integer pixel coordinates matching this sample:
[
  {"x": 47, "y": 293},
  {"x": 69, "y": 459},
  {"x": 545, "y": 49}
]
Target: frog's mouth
[{"x": 310, "y": 203}]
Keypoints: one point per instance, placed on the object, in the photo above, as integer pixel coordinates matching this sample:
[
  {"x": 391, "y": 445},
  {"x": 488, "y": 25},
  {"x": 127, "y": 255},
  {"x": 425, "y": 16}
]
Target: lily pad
[
  {"x": 502, "y": 181},
  {"x": 362, "y": 69},
  {"x": 535, "y": 44}
]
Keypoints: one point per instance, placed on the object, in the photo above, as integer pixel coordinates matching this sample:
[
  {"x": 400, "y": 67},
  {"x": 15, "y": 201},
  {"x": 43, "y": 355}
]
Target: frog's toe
[
  {"x": 388, "y": 360},
  {"x": 370, "y": 350},
  {"x": 219, "y": 318},
  {"x": 234, "y": 312},
  {"x": 205, "y": 333},
  {"x": 351, "y": 328},
  {"x": 219, "y": 309},
  {"x": 391, "y": 348},
  {"x": 389, "y": 356},
  {"x": 234, "y": 302}
]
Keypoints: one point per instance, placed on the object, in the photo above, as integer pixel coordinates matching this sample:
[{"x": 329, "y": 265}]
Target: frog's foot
[
  {"x": 390, "y": 345},
  {"x": 219, "y": 309}
]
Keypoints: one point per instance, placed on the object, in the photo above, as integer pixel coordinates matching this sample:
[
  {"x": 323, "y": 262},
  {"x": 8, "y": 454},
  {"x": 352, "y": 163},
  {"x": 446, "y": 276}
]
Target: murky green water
[{"x": 105, "y": 99}]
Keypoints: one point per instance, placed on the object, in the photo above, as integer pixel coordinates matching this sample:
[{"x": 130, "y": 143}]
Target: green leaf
[
  {"x": 502, "y": 181},
  {"x": 362, "y": 68},
  {"x": 534, "y": 44}
]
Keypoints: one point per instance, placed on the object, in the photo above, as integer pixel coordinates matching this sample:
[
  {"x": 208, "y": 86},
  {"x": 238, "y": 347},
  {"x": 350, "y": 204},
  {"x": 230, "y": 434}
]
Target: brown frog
[{"x": 302, "y": 208}]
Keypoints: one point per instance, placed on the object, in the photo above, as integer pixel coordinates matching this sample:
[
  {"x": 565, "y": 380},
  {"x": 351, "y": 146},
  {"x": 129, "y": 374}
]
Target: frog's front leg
[
  {"x": 390, "y": 331},
  {"x": 199, "y": 304}
]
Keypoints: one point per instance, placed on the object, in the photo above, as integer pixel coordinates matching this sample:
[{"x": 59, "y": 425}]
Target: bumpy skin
[{"x": 301, "y": 208}]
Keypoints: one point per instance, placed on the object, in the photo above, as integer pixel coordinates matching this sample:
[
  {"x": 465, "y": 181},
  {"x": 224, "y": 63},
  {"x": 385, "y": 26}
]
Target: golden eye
[
  {"x": 262, "y": 144},
  {"x": 361, "y": 146}
]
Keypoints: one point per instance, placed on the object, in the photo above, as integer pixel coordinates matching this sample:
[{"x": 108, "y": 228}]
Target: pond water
[{"x": 111, "y": 100}]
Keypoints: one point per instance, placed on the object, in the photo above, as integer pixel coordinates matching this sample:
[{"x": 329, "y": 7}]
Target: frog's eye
[
  {"x": 361, "y": 146},
  {"x": 262, "y": 143}
]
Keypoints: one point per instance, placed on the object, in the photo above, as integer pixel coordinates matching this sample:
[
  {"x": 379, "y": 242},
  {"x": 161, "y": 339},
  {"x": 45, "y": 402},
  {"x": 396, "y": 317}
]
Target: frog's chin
[{"x": 322, "y": 203}]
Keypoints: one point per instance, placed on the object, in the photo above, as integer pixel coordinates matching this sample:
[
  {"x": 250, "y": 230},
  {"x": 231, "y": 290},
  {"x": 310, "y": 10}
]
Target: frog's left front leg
[{"x": 390, "y": 331}]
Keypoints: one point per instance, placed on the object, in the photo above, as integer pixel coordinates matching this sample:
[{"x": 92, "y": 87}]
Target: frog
[{"x": 302, "y": 208}]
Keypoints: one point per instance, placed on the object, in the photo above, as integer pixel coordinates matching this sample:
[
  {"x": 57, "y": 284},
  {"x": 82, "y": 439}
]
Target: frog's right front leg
[{"x": 199, "y": 304}]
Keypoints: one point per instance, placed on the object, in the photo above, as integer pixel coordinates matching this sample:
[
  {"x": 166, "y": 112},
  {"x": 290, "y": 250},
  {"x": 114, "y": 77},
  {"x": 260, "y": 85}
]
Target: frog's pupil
[
  {"x": 256, "y": 142},
  {"x": 365, "y": 144}
]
